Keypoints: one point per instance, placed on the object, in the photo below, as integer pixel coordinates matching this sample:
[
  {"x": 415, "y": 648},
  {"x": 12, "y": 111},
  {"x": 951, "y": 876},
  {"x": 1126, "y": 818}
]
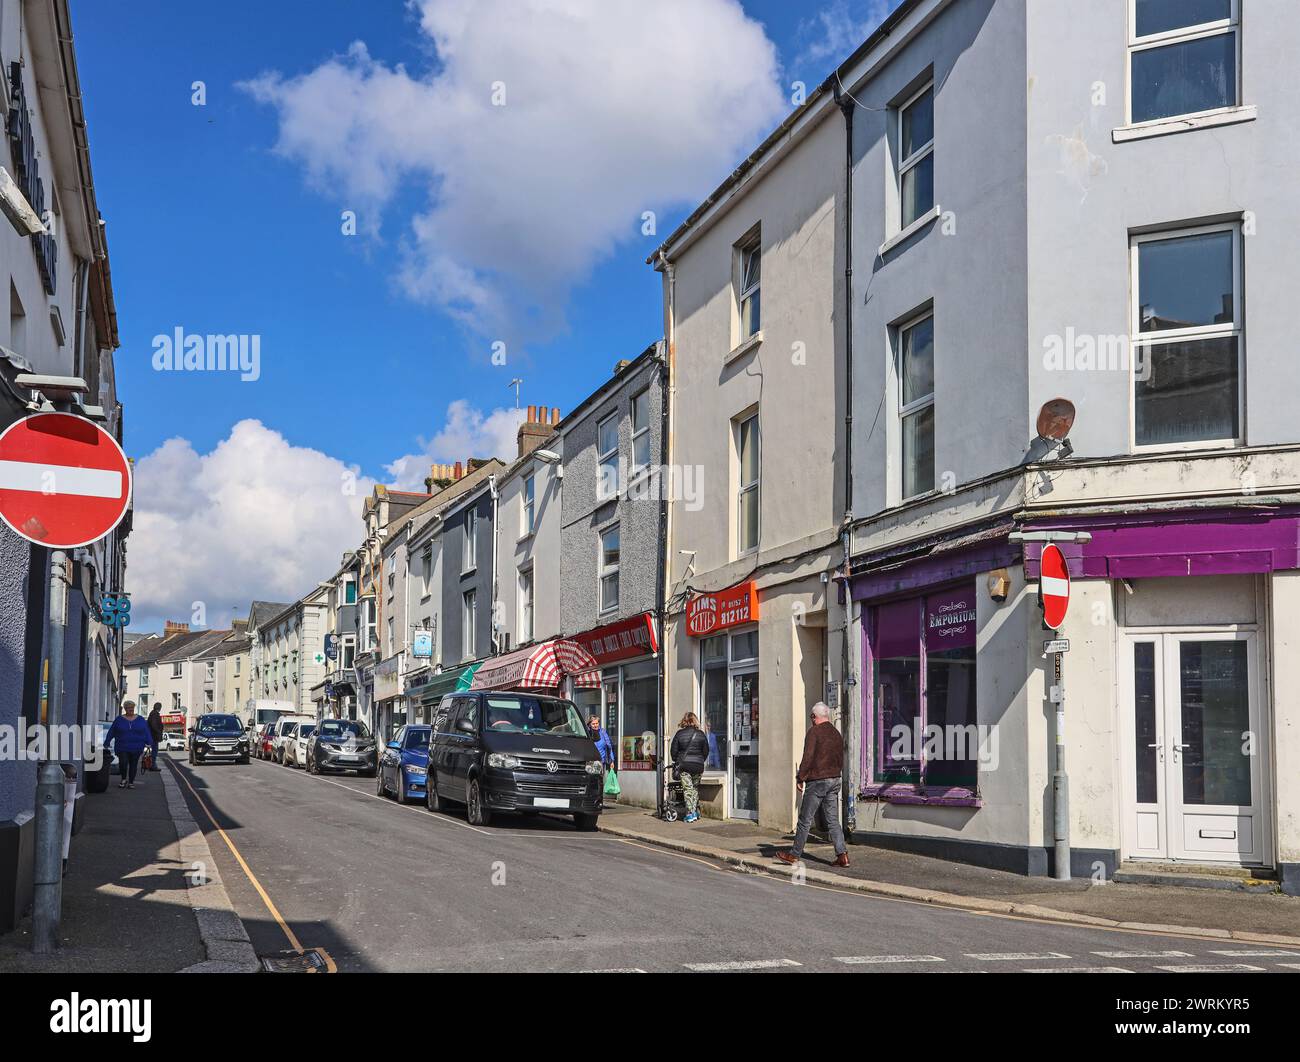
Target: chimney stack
[
  {"x": 460, "y": 471},
  {"x": 171, "y": 627},
  {"x": 539, "y": 426}
]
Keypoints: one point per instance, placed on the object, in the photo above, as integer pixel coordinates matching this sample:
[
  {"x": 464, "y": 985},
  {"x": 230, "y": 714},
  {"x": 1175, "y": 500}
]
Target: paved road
[{"x": 390, "y": 888}]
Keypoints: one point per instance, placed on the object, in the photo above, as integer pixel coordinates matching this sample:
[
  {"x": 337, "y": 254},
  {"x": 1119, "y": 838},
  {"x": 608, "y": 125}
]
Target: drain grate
[{"x": 309, "y": 961}]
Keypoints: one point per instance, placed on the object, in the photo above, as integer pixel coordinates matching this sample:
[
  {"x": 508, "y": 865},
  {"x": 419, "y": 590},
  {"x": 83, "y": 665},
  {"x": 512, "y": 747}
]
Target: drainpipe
[
  {"x": 496, "y": 532},
  {"x": 665, "y": 511},
  {"x": 847, "y": 716}
]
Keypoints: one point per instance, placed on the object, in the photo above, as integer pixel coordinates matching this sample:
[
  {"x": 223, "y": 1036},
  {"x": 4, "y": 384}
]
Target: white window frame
[
  {"x": 1139, "y": 338},
  {"x": 743, "y": 488},
  {"x": 144, "y": 678},
  {"x": 210, "y": 672},
  {"x": 469, "y": 624},
  {"x": 909, "y": 409},
  {"x": 426, "y": 571},
  {"x": 528, "y": 505},
  {"x": 527, "y": 604},
  {"x": 176, "y": 669},
  {"x": 608, "y": 571},
  {"x": 469, "y": 546},
  {"x": 640, "y": 433},
  {"x": 603, "y": 492},
  {"x": 921, "y": 153},
  {"x": 1136, "y": 44},
  {"x": 237, "y": 665},
  {"x": 751, "y": 245}
]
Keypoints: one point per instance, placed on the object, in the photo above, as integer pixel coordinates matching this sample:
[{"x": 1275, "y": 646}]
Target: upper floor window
[
  {"x": 350, "y": 591},
  {"x": 529, "y": 497},
  {"x": 640, "y": 432},
  {"x": 916, "y": 403},
  {"x": 212, "y": 670},
  {"x": 176, "y": 669},
  {"x": 749, "y": 282},
  {"x": 469, "y": 623},
  {"x": 609, "y": 562},
  {"x": 749, "y": 464},
  {"x": 1187, "y": 328},
  {"x": 469, "y": 552},
  {"x": 525, "y": 605},
  {"x": 607, "y": 457},
  {"x": 1182, "y": 57},
  {"x": 916, "y": 156},
  {"x": 348, "y": 652},
  {"x": 237, "y": 661},
  {"x": 144, "y": 678},
  {"x": 426, "y": 571}
]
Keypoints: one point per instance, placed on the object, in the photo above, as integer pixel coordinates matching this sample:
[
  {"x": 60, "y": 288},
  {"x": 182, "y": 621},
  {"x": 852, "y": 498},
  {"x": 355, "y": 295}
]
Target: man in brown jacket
[{"x": 819, "y": 778}]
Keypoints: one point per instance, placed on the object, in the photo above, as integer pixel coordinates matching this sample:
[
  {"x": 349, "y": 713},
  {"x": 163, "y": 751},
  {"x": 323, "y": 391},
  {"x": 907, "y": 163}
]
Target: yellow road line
[
  {"x": 294, "y": 942},
  {"x": 679, "y": 855}
]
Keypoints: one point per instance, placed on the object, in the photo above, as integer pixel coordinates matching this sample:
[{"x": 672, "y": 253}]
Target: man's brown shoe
[
  {"x": 789, "y": 857},
  {"x": 842, "y": 860}
]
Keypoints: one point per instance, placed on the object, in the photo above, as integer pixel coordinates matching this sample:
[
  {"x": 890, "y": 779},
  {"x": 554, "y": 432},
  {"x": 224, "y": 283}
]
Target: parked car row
[{"x": 493, "y": 752}]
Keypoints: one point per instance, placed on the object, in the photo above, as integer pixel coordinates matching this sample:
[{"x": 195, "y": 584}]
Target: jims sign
[{"x": 706, "y": 613}]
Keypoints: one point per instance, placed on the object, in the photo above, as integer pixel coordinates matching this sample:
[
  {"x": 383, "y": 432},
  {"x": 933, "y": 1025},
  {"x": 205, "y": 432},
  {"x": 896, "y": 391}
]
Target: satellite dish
[{"x": 1055, "y": 419}]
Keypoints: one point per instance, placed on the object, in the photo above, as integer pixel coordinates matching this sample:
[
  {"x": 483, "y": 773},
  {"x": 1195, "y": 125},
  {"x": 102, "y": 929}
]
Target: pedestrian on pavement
[
  {"x": 129, "y": 735},
  {"x": 157, "y": 731},
  {"x": 819, "y": 779},
  {"x": 689, "y": 753},
  {"x": 604, "y": 746}
]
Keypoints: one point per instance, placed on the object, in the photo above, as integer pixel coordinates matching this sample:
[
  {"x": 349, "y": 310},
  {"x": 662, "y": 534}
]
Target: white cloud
[
  {"x": 835, "y": 32},
  {"x": 467, "y": 432},
  {"x": 611, "y": 109},
  {"x": 256, "y": 518}
]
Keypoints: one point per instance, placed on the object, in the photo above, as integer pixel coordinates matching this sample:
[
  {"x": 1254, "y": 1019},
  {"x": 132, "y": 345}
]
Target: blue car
[{"x": 404, "y": 766}]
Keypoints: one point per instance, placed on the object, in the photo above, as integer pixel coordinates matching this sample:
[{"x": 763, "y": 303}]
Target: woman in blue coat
[{"x": 130, "y": 736}]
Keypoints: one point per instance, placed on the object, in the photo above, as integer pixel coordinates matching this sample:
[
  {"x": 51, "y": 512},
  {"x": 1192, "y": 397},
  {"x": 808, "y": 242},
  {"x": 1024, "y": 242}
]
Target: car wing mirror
[{"x": 394, "y": 746}]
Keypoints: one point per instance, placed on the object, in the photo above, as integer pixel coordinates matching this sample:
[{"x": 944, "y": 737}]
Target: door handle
[{"x": 1160, "y": 751}]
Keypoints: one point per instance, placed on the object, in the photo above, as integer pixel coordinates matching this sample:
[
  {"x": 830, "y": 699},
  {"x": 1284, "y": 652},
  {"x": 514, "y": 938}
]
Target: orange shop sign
[{"x": 706, "y": 613}]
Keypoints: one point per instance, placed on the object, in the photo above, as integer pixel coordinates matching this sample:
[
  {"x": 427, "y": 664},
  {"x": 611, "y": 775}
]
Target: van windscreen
[{"x": 531, "y": 715}]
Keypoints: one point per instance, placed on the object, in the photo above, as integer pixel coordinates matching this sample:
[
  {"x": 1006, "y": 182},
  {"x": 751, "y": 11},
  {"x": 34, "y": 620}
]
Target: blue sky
[{"x": 226, "y": 218}]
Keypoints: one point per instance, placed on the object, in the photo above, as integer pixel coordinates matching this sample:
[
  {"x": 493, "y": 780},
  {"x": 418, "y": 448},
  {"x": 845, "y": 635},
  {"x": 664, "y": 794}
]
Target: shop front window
[
  {"x": 924, "y": 725},
  {"x": 641, "y": 714},
  {"x": 713, "y": 655}
]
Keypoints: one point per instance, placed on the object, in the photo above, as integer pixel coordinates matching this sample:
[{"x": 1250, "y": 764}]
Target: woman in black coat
[{"x": 689, "y": 753}]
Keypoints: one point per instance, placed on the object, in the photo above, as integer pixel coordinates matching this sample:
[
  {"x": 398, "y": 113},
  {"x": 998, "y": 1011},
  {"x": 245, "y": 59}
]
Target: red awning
[{"x": 539, "y": 667}]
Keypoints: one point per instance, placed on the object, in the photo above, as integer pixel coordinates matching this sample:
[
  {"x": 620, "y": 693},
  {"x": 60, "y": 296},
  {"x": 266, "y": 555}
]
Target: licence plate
[
  {"x": 549, "y": 802},
  {"x": 350, "y": 759}
]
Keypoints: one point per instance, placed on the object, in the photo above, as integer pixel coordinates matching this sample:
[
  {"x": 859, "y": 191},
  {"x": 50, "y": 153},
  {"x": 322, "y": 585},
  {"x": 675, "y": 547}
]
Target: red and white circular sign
[
  {"x": 64, "y": 481},
  {"x": 1054, "y": 586}
]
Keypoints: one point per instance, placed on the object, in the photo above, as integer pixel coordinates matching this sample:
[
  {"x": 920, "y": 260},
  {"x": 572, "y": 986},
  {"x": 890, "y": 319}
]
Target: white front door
[{"x": 1194, "y": 763}]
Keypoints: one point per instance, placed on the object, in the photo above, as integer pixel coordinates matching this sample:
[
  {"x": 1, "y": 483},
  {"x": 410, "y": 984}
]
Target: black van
[{"x": 518, "y": 752}]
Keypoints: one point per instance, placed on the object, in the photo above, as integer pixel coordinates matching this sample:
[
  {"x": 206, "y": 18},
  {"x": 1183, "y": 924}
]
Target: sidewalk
[
  {"x": 128, "y": 902},
  {"x": 1240, "y": 915}
]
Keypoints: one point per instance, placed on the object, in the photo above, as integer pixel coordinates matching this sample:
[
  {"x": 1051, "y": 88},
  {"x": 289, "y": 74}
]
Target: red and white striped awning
[{"x": 540, "y": 667}]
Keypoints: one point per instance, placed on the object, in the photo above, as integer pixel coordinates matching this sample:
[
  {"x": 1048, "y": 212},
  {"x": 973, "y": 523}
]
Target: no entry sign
[
  {"x": 1054, "y": 586},
  {"x": 64, "y": 481}
]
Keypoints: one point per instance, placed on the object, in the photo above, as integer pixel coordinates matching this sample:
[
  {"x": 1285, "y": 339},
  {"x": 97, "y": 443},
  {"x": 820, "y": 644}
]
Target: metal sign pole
[
  {"x": 1060, "y": 780},
  {"x": 47, "y": 892}
]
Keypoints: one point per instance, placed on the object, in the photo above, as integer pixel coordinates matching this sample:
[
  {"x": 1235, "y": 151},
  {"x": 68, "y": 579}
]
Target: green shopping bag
[{"x": 612, "y": 788}]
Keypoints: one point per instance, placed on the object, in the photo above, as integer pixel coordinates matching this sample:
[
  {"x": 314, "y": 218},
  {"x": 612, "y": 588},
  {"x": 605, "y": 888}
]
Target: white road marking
[
  {"x": 869, "y": 960},
  {"x": 1211, "y": 968},
  {"x": 1243, "y": 954},
  {"x": 1143, "y": 954},
  {"x": 748, "y": 964},
  {"x": 616, "y": 970},
  {"x": 1079, "y": 969},
  {"x": 1015, "y": 956},
  {"x": 1290, "y": 965},
  {"x": 60, "y": 479}
]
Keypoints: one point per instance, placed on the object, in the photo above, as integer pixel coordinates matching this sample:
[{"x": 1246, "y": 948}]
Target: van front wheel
[
  {"x": 586, "y": 823},
  {"x": 478, "y": 813}
]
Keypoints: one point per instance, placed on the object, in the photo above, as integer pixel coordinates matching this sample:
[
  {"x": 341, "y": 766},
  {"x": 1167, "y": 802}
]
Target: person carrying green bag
[{"x": 605, "y": 750}]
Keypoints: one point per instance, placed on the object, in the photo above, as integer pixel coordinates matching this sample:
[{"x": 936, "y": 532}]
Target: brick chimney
[
  {"x": 171, "y": 627},
  {"x": 539, "y": 426}
]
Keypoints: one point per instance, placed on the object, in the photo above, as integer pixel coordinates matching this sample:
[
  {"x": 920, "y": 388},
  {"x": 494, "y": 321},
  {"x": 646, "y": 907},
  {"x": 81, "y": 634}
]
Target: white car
[
  {"x": 295, "y": 747},
  {"x": 174, "y": 742},
  {"x": 283, "y": 739}
]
